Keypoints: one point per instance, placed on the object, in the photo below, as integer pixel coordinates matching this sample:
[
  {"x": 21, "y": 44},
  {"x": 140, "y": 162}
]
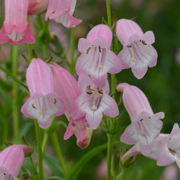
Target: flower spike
[{"x": 44, "y": 102}]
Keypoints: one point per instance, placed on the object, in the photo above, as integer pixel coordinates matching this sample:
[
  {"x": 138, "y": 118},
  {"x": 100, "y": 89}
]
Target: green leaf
[
  {"x": 55, "y": 178},
  {"x": 53, "y": 165},
  {"x": 86, "y": 158},
  {"x": 14, "y": 78}
]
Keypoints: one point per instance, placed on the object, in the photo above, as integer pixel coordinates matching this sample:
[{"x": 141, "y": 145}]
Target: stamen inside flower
[
  {"x": 132, "y": 52},
  {"x": 95, "y": 97},
  {"x": 142, "y": 129},
  {"x": 16, "y": 36},
  {"x": 173, "y": 152}
]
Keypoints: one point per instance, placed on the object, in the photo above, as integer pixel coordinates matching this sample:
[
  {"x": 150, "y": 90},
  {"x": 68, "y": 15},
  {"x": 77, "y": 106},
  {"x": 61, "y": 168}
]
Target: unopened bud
[
  {"x": 130, "y": 156},
  {"x": 84, "y": 144}
]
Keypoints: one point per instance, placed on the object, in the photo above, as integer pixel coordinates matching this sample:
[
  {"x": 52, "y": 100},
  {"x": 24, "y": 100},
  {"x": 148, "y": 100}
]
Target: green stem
[
  {"x": 122, "y": 174},
  {"x": 45, "y": 50},
  {"x": 58, "y": 151},
  {"x": 44, "y": 143},
  {"x": 108, "y": 11},
  {"x": 81, "y": 163},
  {"x": 38, "y": 138},
  {"x": 15, "y": 94},
  {"x": 30, "y": 51},
  {"x": 72, "y": 47},
  {"x": 109, "y": 155},
  {"x": 114, "y": 177},
  {"x": 6, "y": 130}
]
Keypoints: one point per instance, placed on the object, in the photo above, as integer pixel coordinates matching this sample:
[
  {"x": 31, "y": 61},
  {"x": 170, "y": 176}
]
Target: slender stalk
[
  {"x": 44, "y": 143},
  {"x": 114, "y": 177},
  {"x": 122, "y": 174},
  {"x": 45, "y": 50},
  {"x": 59, "y": 153},
  {"x": 109, "y": 155},
  {"x": 38, "y": 138},
  {"x": 72, "y": 47},
  {"x": 15, "y": 94},
  {"x": 32, "y": 164},
  {"x": 108, "y": 12},
  {"x": 30, "y": 51}
]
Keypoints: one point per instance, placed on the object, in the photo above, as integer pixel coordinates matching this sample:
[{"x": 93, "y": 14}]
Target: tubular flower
[
  {"x": 37, "y": 6},
  {"x": 15, "y": 27},
  {"x": 146, "y": 125},
  {"x": 170, "y": 152},
  {"x": 94, "y": 101},
  {"x": 61, "y": 11},
  {"x": 67, "y": 89},
  {"x": 129, "y": 157},
  {"x": 96, "y": 58},
  {"x": 11, "y": 160},
  {"x": 44, "y": 102},
  {"x": 137, "y": 53}
]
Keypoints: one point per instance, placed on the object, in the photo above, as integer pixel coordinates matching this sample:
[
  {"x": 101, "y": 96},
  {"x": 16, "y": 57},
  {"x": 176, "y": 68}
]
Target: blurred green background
[{"x": 161, "y": 84}]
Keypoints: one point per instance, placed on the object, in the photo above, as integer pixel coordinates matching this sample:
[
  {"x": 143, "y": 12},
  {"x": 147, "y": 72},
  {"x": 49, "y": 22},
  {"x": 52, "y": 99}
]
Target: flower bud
[{"x": 37, "y": 6}]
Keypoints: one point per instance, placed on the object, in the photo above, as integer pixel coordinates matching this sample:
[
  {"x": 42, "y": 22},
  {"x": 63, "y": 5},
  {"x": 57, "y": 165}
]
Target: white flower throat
[
  {"x": 99, "y": 50},
  {"x": 95, "y": 97},
  {"x": 132, "y": 48}
]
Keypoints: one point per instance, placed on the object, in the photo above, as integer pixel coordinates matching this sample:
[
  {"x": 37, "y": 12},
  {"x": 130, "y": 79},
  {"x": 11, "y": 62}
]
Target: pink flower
[
  {"x": 94, "y": 101},
  {"x": 67, "y": 89},
  {"x": 145, "y": 126},
  {"x": 97, "y": 59},
  {"x": 170, "y": 152},
  {"x": 37, "y": 6},
  {"x": 137, "y": 53},
  {"x": 44, "y": 102},
  {"x": 16, "y": 28},
  {"x": 11, "y": 160},
  {"x": 153, "y": 154},
  {"x": 61, "y": 11}
]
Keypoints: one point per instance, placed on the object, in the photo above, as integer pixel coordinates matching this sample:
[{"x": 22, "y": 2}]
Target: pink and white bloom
[
  {"x": 15, "y": 27},
  {"x": 170, "y": 152},
  {"x": 97, "y": 59},
  {"x": 37, "y": 6},
  {"x": 44, "y": 103},
  {"x": 146, "y": 125},
  {"x": 137, "y": 53},
  {"x": 11, "y": 160},
  {"x": 158, "y": 143},
  {"x": 67, "y": 89},
  {"x": 61, "y": 11},
  {"x": 93, "y": 102}
]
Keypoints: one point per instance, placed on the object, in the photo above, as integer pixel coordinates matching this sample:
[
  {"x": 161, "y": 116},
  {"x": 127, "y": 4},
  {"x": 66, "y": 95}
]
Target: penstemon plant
[{"x": 84, "y": 87}]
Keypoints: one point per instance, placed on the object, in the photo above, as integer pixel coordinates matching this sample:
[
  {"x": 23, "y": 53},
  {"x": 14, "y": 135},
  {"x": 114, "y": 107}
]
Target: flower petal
[
  {"x": 109, "y": 106},
  {"x": 165, "y": 157},
  {"x": 148, "y": 37},
  {"x": 94, "y": 118}
]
